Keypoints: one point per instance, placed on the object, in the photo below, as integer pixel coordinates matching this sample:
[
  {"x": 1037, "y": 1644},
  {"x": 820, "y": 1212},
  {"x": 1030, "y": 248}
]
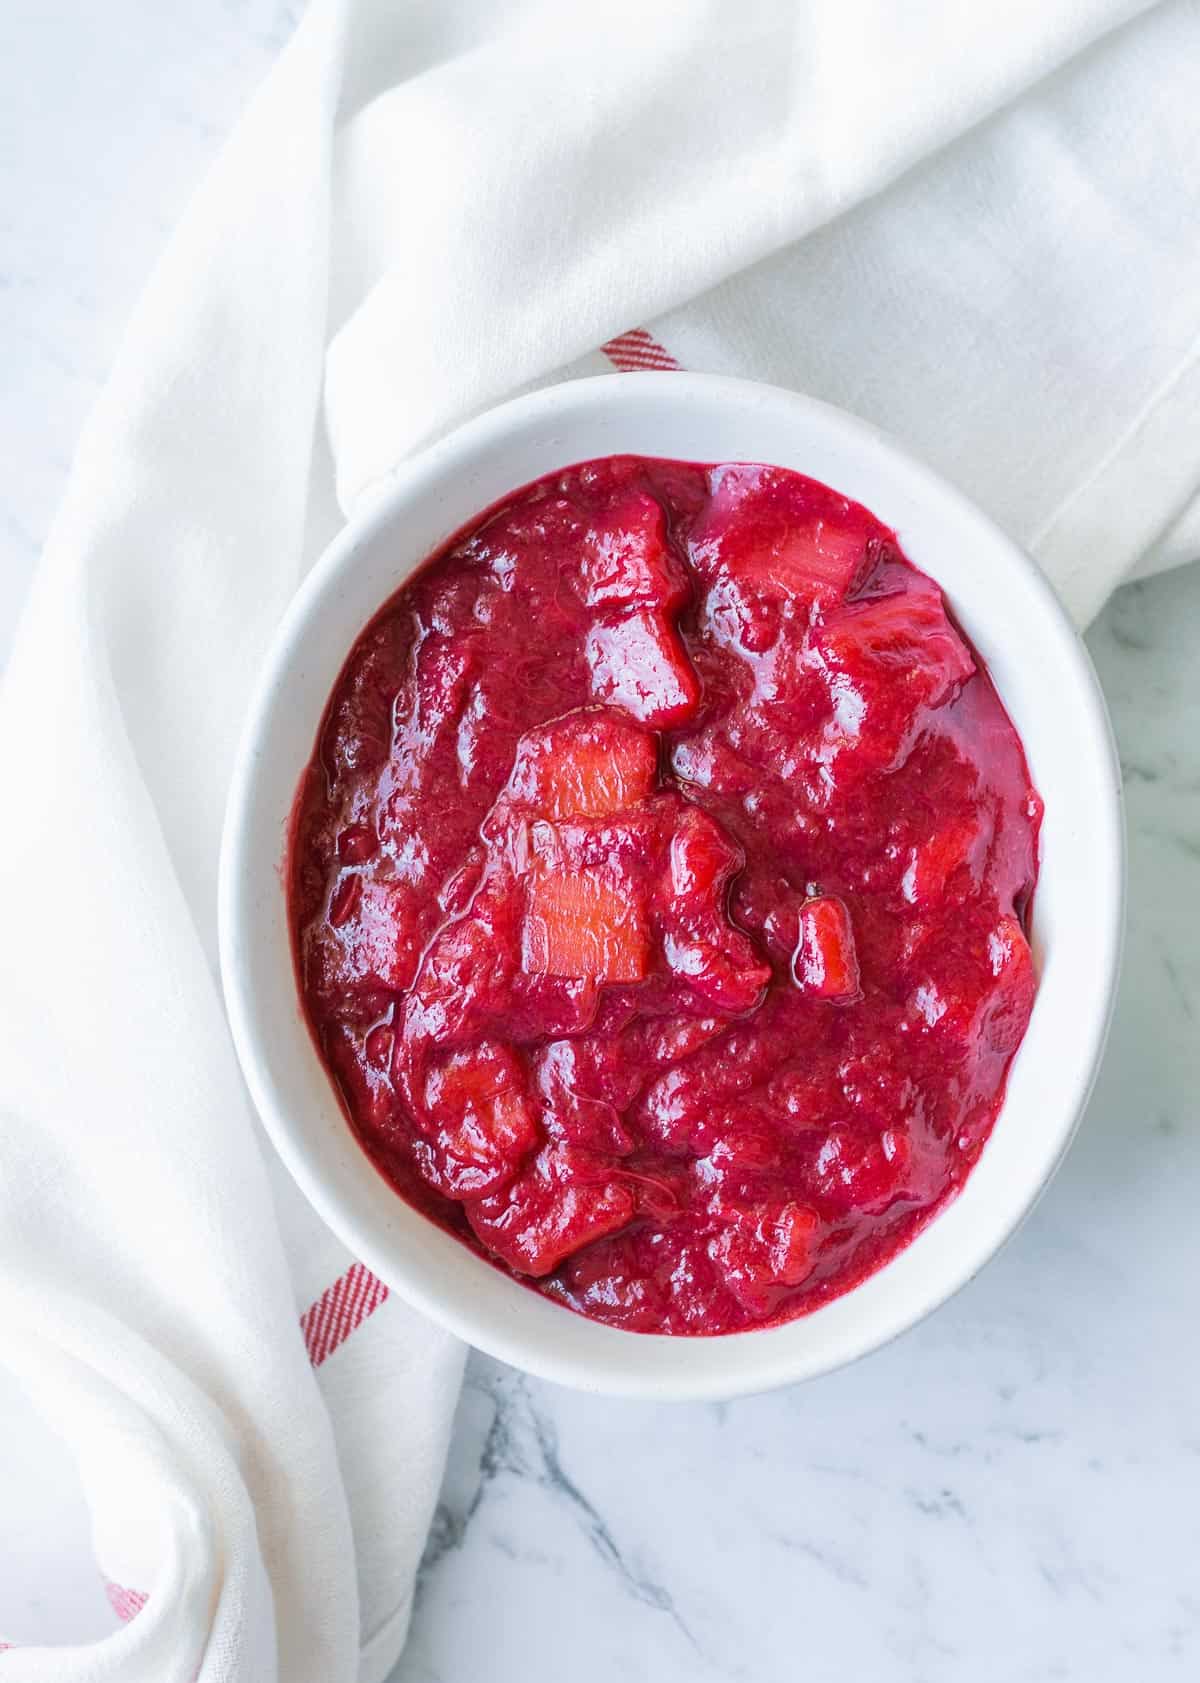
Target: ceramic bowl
[{"x": 1048, "y": 686}]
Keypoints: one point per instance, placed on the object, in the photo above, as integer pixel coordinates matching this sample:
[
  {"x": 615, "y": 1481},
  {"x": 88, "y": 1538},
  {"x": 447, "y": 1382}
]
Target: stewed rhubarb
[{"x": 660, "y": 889}]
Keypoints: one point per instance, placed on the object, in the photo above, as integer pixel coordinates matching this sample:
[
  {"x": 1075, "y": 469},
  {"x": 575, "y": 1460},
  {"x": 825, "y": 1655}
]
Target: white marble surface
[{"x": 1010, "y": 1493}]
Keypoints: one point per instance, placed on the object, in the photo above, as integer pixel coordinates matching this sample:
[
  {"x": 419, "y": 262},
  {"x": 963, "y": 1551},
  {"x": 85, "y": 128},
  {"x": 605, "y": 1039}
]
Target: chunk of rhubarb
[
  {"x": 723, "y": 968},
  {"x": 471, "y": 1081},
  {"x": 700, "y": 944},
  {"x": 862, "y": 1171},
  {"x": 462, "y": 986},
  {"x": 765, "y": 1251},
  {"x": 676, "y": 1038},
  {"x": 588, "y": 764},
  {"x": 702, "y": 858},
  {"x": 817, "y": 560},
  {"x": 567, "y": 1079},
  {"x": 980, "y": 999},
  {"x": 759, "y": 533},
  {"x": 638, "y": 662},
  {"x": 378, "y": 930},
  {"x": 906, "y": 635},
  {"x": 825, "y": 962},
  {"x": 468, "y": 963},
  {"x": 626, "y": 561},
  {"x": 583, "y": 923},
  {"x": 481, "y": 1119},
  {"x": 951, "y": 855},
  {"x": 560, "y": 1202},
  {"x": 1007, "y": 1013}
]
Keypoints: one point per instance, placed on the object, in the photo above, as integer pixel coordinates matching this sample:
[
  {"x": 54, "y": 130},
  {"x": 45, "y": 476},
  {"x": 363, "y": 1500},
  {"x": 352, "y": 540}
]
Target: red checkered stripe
[
  {"x": 341, "y": 1307},
  {"x": 636, "y": 350},
  {"x": 125, "y": 1603}
]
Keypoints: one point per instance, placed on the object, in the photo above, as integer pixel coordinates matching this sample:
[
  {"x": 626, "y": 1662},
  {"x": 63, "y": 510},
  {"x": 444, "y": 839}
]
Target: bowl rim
[{"x": 367, "y": 521}]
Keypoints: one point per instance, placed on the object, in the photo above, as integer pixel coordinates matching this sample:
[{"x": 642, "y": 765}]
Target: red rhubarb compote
[{"x": 660, "y": 888}]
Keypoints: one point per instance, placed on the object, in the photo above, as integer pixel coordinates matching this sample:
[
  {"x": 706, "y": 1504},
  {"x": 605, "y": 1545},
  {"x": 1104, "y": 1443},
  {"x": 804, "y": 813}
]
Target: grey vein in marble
[{"x": 521, "y": 1443}]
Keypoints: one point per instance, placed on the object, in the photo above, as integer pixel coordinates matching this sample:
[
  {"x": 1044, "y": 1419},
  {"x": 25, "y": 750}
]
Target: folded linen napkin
[{"x": 974, "y": 225}]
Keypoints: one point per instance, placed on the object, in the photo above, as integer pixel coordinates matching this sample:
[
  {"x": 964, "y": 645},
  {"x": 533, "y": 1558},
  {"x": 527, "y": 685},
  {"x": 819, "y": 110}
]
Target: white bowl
[{"x": 1047, "y": 683}]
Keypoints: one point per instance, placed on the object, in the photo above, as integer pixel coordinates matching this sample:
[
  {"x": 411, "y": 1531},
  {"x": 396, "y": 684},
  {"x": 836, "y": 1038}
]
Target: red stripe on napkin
[
  {"x": 638, "y": 349},
  {"x": 125, "y": 1603},
  {"x": 340, "y": 1308}
]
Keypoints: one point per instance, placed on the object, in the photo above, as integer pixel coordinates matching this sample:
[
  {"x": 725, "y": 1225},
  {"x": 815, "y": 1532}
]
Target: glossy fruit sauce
[{"x": 659, "y": 889}]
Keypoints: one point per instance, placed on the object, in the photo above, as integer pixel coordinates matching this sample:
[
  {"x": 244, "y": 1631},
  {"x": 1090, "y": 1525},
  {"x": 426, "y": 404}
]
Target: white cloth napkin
[{"x": 976, "y": 225}]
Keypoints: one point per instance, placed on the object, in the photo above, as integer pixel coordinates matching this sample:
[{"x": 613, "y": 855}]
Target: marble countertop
[{"x": 1012, "y": 1491}]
